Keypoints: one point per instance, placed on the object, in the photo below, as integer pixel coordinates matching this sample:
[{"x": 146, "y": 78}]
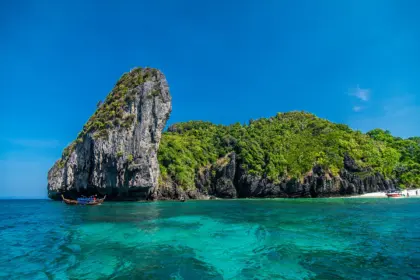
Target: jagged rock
[
  {"x": 224, "y": 188},
  {"x": 350, "y": 164},
  {"x": 231, "y": 181},
  {"x": 218, "y": 180},
  {"x": 171, "y": 192},
  {"x": 116, "y": 153}
]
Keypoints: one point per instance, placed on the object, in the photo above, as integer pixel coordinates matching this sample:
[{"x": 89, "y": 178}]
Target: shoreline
[{"x": 411, "y": 193}]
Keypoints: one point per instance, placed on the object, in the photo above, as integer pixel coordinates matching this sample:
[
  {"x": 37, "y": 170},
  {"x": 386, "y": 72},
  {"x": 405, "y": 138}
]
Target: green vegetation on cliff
[
  {"x": 113, "y": 113},
  {"x": 285, "y": 146},
  {"x": 408, "y": 167}
]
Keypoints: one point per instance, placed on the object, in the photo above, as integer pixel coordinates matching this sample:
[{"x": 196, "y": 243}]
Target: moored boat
[
  {"x": 84, "y": 201},
  {"x": 394, "y": 194}
]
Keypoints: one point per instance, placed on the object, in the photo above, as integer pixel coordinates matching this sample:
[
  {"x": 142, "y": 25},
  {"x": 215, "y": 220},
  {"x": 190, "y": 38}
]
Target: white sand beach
[{"x": 407, "y": 193}]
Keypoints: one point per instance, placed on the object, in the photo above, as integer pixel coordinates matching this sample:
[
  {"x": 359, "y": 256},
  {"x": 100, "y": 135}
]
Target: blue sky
[{"x": 354, "y": 62}]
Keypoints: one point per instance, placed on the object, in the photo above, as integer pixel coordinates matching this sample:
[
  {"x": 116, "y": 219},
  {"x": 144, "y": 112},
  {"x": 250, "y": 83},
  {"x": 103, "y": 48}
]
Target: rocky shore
[{"x": 230, "y": 181}]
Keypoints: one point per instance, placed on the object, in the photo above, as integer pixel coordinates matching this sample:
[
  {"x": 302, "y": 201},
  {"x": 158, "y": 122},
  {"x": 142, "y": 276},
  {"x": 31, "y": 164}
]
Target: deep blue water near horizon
[{"x": 361, "y": 238}]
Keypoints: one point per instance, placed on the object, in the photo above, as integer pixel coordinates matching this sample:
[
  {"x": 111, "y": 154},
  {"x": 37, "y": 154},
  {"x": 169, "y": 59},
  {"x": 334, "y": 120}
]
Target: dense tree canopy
[
  {"x": 286, "y": 146},
  {"x": 408, "y": 167}
]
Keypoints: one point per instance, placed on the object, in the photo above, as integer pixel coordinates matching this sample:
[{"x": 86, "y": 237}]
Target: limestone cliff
[{"x": 116, "y": 152}]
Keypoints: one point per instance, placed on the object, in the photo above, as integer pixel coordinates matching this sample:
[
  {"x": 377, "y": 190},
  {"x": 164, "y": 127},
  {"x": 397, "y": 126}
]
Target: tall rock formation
[{"x": 116, "y": 152}]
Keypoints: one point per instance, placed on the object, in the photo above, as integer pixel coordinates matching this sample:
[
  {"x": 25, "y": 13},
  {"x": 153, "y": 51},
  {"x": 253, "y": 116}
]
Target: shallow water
[{"x": 224, "y": 239}]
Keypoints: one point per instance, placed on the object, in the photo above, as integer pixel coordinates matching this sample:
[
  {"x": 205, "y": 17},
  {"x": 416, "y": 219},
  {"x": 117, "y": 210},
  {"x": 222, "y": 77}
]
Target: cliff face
[
  {"x": 116, "y": 152},
  {"x": 226, "y": 179},
  {"x": 231, "y": 181}
]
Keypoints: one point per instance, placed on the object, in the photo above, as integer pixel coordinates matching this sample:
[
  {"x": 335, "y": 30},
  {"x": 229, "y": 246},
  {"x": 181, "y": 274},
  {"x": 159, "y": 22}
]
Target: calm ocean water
[{"x": 228, "y": 239}]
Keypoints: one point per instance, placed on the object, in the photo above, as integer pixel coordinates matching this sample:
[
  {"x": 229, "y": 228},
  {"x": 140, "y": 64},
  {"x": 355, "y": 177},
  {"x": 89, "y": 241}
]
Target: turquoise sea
[{"x": 223, "y": 239}]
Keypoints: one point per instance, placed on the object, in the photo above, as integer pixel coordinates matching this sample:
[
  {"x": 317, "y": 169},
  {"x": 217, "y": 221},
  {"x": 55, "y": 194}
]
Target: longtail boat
[{"x": 83, "y": 201}]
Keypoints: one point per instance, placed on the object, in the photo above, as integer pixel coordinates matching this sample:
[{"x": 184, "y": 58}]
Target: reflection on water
[{"x": 235, "y": 239}]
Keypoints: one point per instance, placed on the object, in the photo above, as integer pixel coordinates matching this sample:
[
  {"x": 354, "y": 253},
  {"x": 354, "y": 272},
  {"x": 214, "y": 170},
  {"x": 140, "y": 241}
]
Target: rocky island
[
  {"x": 116, "y": 151},
  {"x": 123, "y": 152}
]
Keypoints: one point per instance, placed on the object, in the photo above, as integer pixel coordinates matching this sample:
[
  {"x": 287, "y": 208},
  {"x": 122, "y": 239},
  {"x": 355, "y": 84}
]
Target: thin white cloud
[
  {"x": 360, "y": 93},
  {"x": 357, "y": 108},
  {"x": 35, "y": 143}
]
